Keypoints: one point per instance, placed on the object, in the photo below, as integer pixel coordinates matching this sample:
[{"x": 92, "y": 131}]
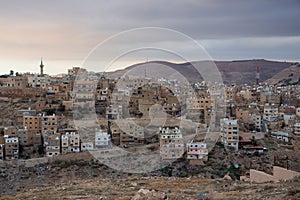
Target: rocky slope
[{"x": 243, "y": 71}]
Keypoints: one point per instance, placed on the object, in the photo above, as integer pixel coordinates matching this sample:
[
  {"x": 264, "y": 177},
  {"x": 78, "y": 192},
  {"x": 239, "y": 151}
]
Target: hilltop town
[{"x": 209, "y": 130}]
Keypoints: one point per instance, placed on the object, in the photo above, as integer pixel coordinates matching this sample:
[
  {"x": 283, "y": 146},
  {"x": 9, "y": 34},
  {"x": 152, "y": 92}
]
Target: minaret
[{"x": 42, "y": 67}]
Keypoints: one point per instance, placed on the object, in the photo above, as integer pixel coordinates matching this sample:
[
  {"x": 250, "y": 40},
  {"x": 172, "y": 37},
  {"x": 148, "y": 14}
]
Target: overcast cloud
[{"x": 64, "y": 31}]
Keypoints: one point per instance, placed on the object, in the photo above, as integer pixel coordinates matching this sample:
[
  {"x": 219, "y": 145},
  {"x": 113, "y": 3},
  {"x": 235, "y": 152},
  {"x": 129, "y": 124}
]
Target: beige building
[
  {"x": 132, "y": 135},
  {"x": 14, "y": 81},
  {"x": 86, "y": 146},
  {"x": 23, "y": 112},
  {"x": 70, "y": 141},
  {"x": 230, "y": 133},
  {"x": 50, "y": 123},
  {"x": 270, "y": 111},
  {"x": 113, "y": 112},
  {"x": 242, "y": 115},
  {"x": 171, "y": 146},
  {"x": 32, "y": 122},
  {"x": 52, "y": 144},
  {"x": 39, "y": 81}
]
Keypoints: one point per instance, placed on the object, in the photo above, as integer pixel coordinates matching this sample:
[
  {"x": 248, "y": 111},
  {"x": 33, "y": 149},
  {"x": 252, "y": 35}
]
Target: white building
[
  {"x": 102, "y": 139},
  {"x": 230, "y": 133},
  {"x": 70, "y": 141},
  {"x": 298, "y": 112},
  {"x": 284, "y": 136},
  {"x": 169, "y": 130},
  {"x": 288, "y": 118},
  {"x": 297, "y": 129}
]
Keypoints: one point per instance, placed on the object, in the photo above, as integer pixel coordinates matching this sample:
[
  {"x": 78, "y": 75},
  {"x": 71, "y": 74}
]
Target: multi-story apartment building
[
  {"x": 32, "y": 122},
  {"x": 23, "y": 112},
  {"x": 256, "y": 120},
  {"x": 70, "y": 141},
  {"x": 39, "y": 81},
  {"x": 11, "y": 131},
  {"x": 113, "y": 111},
  {"x": 230, "y": 133},
  {"x": 171, "y": 146},
  {"x": 132, "y": 135},
  {"x": 242, "y": 115},
  {"x": 102, "y": 139},
  {"x": 14, "y": 81},
  {"x": 297, "y": 129},
  {"x": 50, "y": 123},
  {"x": 115, "y": 133},
  {"x": 84, "y": 92},
  {"x": 11, "y": 147},
  {"x": 197, "y": 151},
  {"x": 270, "y": 111},
  {"x": 52, "y": 144}
]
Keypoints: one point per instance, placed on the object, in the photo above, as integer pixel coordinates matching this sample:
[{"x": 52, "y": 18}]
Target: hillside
[
  {"x": 241, "y": 72},
  {"x": 289, "y": 75}
]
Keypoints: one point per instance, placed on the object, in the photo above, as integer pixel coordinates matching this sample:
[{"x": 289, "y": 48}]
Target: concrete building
[
  {"x": 169, "y": 130},
  {"x": 70, "y": 141},
  {"x": 38, "y": 81},
  {"x": 256, "y": 120},
  {"x": 270, "y": 111},
  {"x": 131, "y": 135},
  {"x": 23, "y": 112},
  {"x": 297, "y": 129},
  {"x": 14, "y": 81},
  {"x": 171, "y": 146},
  {"x": 298, "y": 112},
  {"x": 115, "y": 133},
  {"x": 2, "y": 152},
  {"x": 11, "y": 147},
  {"x": 52, "y": 144},
  {"x": 230, "y": 133},
  {"x": 32, "y": 122},
  {"x": 86, "y": 146},
  {"x": 242, "y": 115},
  {"x": 49, "y": 123},
  {"x": 113, "y": 112},
  {"x": 25, "y": 137},
  {"x": 284, "y": 136},
  {"x": 197, "y": 151},
  {"x": 84, "y": 92},
  {"x": 102, "y": 139}
]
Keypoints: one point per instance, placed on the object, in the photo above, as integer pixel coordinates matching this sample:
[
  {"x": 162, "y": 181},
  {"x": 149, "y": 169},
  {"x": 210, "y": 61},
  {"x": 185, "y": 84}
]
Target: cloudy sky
[{"x": 64, "y": 32}]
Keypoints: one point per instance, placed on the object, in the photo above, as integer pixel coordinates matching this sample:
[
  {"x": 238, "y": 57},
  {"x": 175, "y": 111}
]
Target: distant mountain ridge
[{"x": 239, "y": 71}]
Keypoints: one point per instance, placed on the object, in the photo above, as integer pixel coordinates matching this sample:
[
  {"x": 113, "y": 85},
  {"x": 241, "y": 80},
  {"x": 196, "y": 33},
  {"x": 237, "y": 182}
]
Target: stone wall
[{"x": 279, "y": 173}]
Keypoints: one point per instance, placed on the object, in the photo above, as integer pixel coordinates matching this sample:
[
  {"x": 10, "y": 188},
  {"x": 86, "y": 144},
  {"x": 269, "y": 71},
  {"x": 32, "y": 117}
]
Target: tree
[{"x": 11, "y": 73}]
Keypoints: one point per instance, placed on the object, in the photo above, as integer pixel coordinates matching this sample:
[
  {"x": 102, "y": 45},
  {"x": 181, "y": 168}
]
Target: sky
[{"x": 64, "y": 32}]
